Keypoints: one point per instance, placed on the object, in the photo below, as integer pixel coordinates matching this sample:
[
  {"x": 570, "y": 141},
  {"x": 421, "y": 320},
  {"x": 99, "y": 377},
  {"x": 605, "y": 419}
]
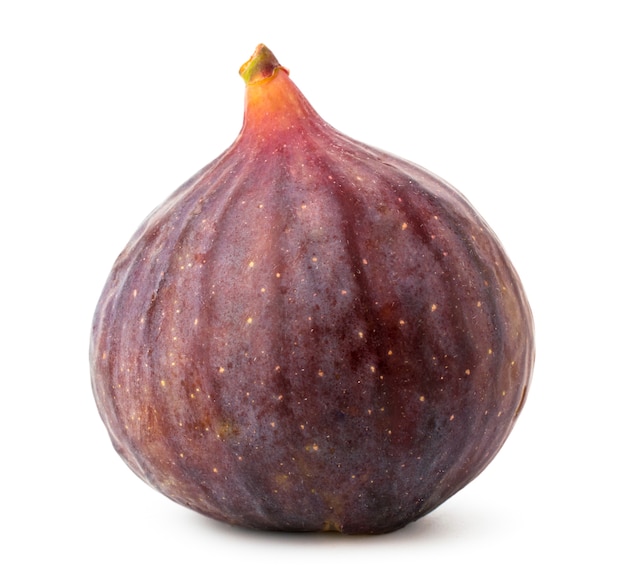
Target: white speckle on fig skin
[{"x": 286, "y": 346}]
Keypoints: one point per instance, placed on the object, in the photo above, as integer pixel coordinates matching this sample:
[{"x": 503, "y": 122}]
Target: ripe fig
[{"x": 310, "y": 334}]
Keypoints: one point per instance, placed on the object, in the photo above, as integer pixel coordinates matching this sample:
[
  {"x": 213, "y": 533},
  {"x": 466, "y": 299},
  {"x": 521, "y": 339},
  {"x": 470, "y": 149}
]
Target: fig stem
[{"x": 261, "y": 66}]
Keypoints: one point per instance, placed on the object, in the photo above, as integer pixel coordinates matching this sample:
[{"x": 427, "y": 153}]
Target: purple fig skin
[{"x": 311, "y": 335}]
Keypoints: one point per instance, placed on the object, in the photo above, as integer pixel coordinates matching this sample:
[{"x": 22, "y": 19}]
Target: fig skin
[{"x": 310, "y": 334}]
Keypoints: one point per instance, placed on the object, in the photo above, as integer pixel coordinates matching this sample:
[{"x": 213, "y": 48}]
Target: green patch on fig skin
[{"x": 261, "y": 66}]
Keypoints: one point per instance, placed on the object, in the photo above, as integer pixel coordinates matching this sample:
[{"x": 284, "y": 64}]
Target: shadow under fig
[{"x": 439, "y": 525}]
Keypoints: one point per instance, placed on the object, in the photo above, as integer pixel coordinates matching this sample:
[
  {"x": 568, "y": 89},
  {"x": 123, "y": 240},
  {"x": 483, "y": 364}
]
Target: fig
[{"x": 310, "y": 334}]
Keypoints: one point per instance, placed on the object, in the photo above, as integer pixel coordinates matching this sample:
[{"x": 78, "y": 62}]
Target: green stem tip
[{"x": 260, "y": 66}]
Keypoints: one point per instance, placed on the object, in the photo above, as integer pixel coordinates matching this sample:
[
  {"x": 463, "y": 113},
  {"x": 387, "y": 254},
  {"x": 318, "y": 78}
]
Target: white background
[{"x": 106, "y": 107}]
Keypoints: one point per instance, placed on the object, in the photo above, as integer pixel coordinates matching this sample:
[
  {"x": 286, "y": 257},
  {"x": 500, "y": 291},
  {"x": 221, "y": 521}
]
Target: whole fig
[{"x": 310, "y": 334}]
